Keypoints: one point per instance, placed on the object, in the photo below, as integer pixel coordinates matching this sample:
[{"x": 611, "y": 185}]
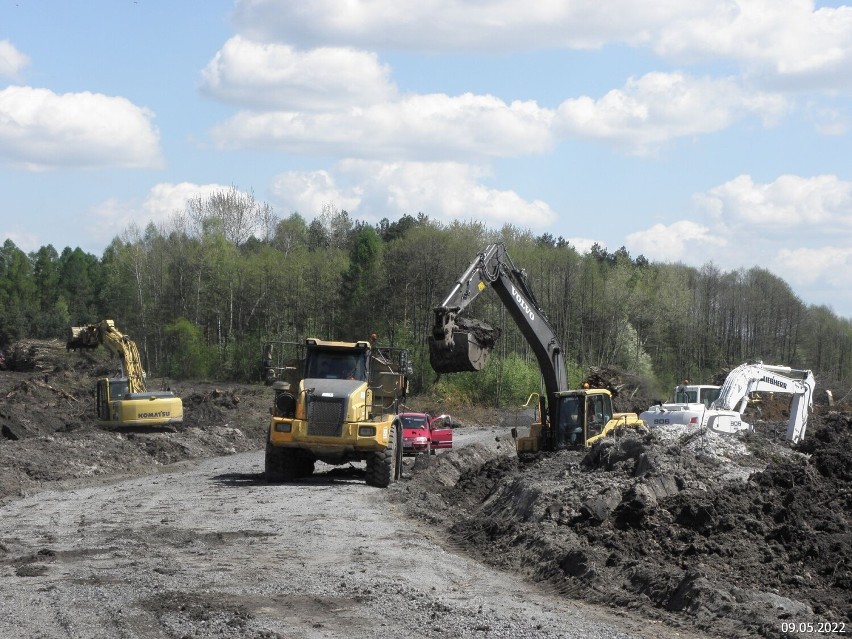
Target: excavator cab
[{"x": 459, "y": 344}]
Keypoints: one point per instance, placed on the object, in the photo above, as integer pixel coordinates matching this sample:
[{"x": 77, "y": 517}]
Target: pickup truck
[{"x": 422, "y": 433}]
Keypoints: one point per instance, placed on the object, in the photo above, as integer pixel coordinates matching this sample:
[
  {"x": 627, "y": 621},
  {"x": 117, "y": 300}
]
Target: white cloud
[
  {"x": 824, "y": 272},
  {"x": 424, "y": 127},
  {"x": 25, "y": 240},
  {"x": 307, "y": 192},
  {"x": 441, "y": 25},
  {"x": 797, "y": 227},
  {"x": 42, "y": 130},
  {"x": 12, "y": 61},
  {"x": 164, "y": 201},
  {"x": 829, "y": 266},
  {"x": 789, "y": 40},
  {"x": 681, "y": 241},
  {"x": 822, "y": 203},
  {"x": 276, "y": 76},
  {"x": 443, "y": 191},
  {"x": 658, "y": 107},
  {"x": 828, "y": 120},
  {"x": 583, "y": 244}
]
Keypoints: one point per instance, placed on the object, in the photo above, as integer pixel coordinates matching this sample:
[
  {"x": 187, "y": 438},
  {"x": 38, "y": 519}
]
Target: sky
[{"x": 692, "y": 131}]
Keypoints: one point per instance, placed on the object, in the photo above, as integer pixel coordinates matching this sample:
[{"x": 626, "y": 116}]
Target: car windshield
[{"x": 414, "y": 421}]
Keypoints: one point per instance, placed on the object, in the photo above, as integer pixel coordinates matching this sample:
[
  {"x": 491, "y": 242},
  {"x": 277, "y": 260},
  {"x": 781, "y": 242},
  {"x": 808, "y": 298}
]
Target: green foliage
[
  {"x": 359, "y": 285},
  {"x": 199, "y": 293},
  {"x": 506, "y": 382},
  {"x": 189, "y": 357}
]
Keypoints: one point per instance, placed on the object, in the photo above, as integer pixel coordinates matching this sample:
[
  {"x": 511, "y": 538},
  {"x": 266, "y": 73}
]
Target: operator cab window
[
  {"x": 118, "y": 388},
  {"x": 686, "y": 397},
  {"x": 338, "y": 365},
  {"x": 569, "y": 430},
  {"x": 598, "y": 413},
  {"x": 710, "y": 396}
]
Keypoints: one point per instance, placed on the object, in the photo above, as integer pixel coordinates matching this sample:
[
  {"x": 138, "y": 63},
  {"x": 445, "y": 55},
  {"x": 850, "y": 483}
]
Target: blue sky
[{"x": 693, "y": 131}]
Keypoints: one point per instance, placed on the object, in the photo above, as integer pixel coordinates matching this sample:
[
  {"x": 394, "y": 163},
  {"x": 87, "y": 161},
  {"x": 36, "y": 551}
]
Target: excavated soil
[
  {"x": 48, "y": 431},
  {"x": 739, "y": 536},
  {"x": 736, "y": 536}
]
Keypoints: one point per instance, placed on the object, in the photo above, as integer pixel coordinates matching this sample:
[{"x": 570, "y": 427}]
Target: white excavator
[{"x": 725, "y": 413}]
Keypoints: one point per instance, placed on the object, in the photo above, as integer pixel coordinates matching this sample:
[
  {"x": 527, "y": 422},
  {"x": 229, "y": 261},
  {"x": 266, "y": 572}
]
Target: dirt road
[{"x": 207, "y": 549}]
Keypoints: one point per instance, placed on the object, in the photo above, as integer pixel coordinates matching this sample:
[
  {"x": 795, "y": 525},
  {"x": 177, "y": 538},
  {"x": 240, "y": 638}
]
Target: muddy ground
[{"x": 737, "y": 536}]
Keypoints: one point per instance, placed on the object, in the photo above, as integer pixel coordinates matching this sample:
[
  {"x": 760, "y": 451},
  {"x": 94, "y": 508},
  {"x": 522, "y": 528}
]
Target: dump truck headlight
[
  {"x": 366, "y": 431},
  {"x": 283, "y": 427}
]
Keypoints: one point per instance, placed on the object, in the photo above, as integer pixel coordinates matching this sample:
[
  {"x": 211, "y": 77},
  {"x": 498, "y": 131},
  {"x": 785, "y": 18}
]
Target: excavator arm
[
  {"x": 105, "y": 333},
  {"x": 750, "y": 378},
  {"x": 459, "y": 344}
]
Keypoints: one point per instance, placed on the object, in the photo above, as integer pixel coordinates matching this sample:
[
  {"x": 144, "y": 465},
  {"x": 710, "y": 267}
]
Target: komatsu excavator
[
  {"x": 123, "y": 401},
  {"x": 725, "y": 413},
  {"x": 568, "y": 418}
]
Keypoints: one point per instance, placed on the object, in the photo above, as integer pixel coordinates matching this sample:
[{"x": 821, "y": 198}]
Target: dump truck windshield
[{"x": 328, "y": 364}]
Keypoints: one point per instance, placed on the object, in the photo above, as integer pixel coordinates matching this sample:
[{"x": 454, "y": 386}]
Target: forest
[{"x": 202, "y": 292}]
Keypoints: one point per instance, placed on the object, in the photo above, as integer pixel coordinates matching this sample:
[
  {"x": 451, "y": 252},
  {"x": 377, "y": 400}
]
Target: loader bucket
[{"x": 460, "y": 344}]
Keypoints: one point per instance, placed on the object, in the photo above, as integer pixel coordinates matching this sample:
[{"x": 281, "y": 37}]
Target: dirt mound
[
  {"x": 729, "y": 534},
  {"x": 48, "y": 430}
]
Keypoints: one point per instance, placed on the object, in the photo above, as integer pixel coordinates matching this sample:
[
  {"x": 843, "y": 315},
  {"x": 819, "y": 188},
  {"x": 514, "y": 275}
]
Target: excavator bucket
[
  {"x": 82, "y": 337},
  {"x": 460, "y": 344}
]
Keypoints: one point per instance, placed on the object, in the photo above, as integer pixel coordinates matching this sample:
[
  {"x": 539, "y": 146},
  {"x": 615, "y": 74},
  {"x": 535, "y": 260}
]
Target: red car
[{"x": 422, "y": 433}]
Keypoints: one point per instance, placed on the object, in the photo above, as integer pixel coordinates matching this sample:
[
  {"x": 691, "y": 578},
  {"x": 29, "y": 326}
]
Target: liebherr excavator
[
  {"x": 725, "y": 413},
  {"x": 123, "y": 401},
  {"x": 568, "y": 418}
]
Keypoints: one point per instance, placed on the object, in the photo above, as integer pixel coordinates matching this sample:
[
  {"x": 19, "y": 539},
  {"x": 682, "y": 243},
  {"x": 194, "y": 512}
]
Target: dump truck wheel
[
  {"x": 385, "y": 466},
  {"x": 279, "y": 464}
]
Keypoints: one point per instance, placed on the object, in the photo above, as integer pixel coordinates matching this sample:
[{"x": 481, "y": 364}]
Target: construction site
[{"x": 693, "y": 531}]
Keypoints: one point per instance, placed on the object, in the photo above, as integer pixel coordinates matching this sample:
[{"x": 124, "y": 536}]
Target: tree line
[{"x": 201, "y": 293}]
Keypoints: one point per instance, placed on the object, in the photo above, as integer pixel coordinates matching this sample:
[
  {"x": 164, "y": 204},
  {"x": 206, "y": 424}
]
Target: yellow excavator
[
  {"x": 569, "y": 418},
  {"x": 123, "y": 401}
]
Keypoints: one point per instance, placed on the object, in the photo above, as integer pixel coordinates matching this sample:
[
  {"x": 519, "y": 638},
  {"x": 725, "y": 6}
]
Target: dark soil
[
  {"x": 735, "y": 536},
  {"x": 48, "y": 430}
]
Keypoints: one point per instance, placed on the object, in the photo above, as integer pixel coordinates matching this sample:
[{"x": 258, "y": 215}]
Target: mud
[
  {"x": 732, "y": 536},
  {"x": 735, "y": 536}
]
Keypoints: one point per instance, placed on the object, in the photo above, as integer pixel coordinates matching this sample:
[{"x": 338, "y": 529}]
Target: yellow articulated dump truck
[
  {"x": 123, "y": 401},
  {"x": 335, "y": 402}
]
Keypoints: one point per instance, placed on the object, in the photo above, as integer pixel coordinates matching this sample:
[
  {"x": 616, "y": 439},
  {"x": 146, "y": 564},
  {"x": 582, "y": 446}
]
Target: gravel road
[{"x": 207, "y": 549}]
